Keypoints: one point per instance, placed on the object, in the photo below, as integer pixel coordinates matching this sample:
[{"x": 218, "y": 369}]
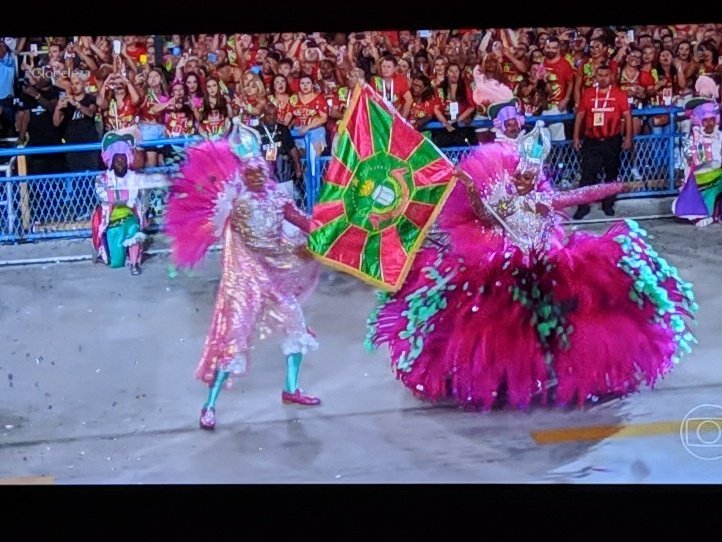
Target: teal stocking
[
  {"x": 293, "y": 366},
  {"x": 215, "y": 389}
]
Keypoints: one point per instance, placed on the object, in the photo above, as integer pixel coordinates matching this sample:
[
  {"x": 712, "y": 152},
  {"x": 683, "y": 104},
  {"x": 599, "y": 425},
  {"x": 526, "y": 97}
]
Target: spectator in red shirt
[
  {"x": 180, "y": 119},
  {"x": 532, "y": 93},
  {"x": 151, "y": 125},
  {"x": 245, "y": 48},
  {"x": 586, "y": 73},
  {"x": 560, "y": 84},
  {"x": 425, "y": 102},
  {"x": 285, "y": 68},
  {"x": 309, "y": 108},
  {"x": 394, "y": 88},
  {"x": 193, "y": 90},
  {"x": 291, "y": 45},
  {"x": 600, "y": 115},
  {"x": 578, "y": 53},
  {"x": 649, "y": 59},
  {"x": 134, "y": 48},
  {"x": 421, "y": 63},
  {"x": 281, "y": 98},
  {"x": 118, "y": 101},
  {"x": 215, "y": 118},
  {"x": 514, "y": 65},
  {"x": 457, "y": 111},
  {"x": 328, "y": 81},
  {"x": 250, "y": 102},
  {"x": 404, "y": 68},
  {"x": 310, "y": 113},
  {"x": 393, "y": 38},
  {"x": 310, "y": 68},
  {"x": 637, "y": 85},
  {"x": 670, "y": 79},
  {"x": 260, "y": 56},
  {"x": 440, "y": 64},
  {"x": 268, "y": 72}
]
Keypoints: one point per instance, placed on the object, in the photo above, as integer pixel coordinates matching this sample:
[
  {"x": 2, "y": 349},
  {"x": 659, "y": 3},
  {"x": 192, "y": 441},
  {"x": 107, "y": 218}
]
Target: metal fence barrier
[{"x": 59, "y": 205}]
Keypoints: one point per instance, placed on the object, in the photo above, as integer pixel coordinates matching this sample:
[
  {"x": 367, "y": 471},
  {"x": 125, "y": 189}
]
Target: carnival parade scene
[{"x": 412, "y": 256}]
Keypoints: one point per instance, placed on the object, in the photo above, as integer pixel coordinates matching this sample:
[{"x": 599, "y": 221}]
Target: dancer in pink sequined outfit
[
  {"x": 500, "y": 308},
  {"x": 265, "y": 273}
]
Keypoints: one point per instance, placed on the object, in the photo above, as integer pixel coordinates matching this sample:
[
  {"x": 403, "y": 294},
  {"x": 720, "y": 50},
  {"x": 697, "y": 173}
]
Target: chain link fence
[{"x": 36, "y": 207}]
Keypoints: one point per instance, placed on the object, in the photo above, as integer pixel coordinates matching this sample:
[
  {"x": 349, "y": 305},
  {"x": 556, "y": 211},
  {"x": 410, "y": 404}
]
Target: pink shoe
[
  {"x": 208, "y": 419},
  {"x": 299, "y": 398}
]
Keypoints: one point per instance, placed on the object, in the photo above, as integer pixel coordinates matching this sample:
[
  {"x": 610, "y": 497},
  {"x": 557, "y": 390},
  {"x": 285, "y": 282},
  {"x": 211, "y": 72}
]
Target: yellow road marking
[
  {"x": 27, "y": 481},
  {"x": 599, "y": 432}
]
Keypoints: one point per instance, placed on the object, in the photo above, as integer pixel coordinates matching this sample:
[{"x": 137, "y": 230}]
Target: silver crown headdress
[
  {"x": 245, "y": 142},
  {"x": 534, "y": 147}
]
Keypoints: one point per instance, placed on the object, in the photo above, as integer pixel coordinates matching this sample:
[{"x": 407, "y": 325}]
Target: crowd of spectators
[{"x": 72, "y": 89}]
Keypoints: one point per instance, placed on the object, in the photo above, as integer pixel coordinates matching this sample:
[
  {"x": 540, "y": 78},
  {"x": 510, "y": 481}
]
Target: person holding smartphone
[
  {"x": 577, "y": 54},
  {"x": 36, "y": 104},
  {"x": 74, "y": 115},
  {"x": 118, "y": 101},
  {"x": 101, "y": 49},
  {"x": 151, "y": 123},
  {"x": 178, "y": 116},
  {"x": 514, "y": 65}
]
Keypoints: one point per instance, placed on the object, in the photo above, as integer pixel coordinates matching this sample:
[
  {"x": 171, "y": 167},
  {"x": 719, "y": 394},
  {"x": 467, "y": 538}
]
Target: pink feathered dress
[{"x": 486, "y": 318}]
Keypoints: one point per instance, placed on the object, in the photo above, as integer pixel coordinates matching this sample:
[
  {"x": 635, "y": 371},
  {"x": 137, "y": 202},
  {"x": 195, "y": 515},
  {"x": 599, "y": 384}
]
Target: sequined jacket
[
  {"x": 532, "y": 221},
  {"x": 258, "y": 217}
]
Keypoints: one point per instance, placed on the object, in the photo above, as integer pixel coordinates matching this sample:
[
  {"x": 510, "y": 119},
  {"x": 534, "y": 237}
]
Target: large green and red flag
[{"x": 380, "y": 194}]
